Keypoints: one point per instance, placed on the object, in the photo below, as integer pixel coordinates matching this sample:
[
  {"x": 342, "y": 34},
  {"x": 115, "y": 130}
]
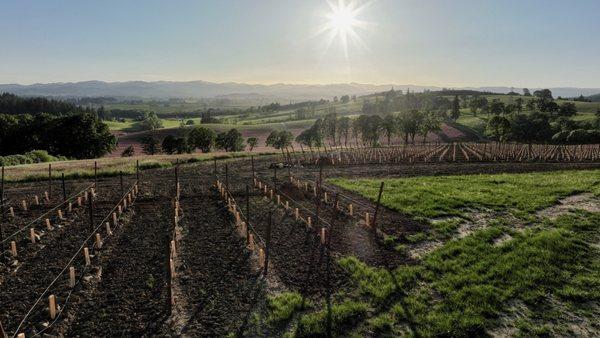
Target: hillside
[{"x": 595, "y": 98}]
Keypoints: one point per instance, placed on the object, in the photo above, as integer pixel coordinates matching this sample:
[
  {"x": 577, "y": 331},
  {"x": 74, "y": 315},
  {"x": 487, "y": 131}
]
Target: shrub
[{"x": 283, "y": 306}]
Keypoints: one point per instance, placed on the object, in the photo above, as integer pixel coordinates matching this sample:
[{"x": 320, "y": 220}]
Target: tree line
[{"x": 195, "y": 138}]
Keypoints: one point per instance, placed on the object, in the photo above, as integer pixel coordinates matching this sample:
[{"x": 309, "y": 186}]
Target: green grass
[
  {"x": 343, "y": 315},
  {"x": 438, "y": 196},
  {"x": 283, "y": 306},
  {"x": 463, "y": 288}
]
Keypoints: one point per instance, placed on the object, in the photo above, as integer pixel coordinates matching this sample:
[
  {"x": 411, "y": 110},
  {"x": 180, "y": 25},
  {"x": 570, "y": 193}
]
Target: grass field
[
  {"x": 438, "y": 196},
  {"x": 539, "y": 280}
]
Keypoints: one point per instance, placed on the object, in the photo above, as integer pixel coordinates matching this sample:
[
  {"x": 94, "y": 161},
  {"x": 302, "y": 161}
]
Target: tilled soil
[
  {"x": 130, "y": 298},
  {"x": 28, "y": 275},
  {"x": 220, "y": 282}
]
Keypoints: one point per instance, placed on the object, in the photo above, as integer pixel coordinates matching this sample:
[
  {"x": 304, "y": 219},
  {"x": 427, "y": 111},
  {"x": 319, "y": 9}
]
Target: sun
[
  {"x": 342, "y": 19},
  {"x": 342, "y": 24}
]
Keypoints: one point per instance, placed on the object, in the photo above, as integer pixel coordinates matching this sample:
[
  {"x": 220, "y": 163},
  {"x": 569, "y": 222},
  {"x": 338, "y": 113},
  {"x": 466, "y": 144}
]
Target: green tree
[
  {"x": 252, "y": 142},
  {"x": 230, "y": 141},
  {"x": 168, "y": 144},
  {"x": 202, "y": 138},
  {"x": 390, "y": 127},
  {"x": 431, "y": 123},
  {"x": 150, "y": 122},
  {"x": 149, "y": 145},
  {"x": 498, "y": 127},
  {"x": 279, "y": 139},
  {"x": 455, "y": 114}
]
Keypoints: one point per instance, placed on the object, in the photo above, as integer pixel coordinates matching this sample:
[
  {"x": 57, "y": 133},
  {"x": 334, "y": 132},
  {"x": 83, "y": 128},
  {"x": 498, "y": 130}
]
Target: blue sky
[{"x": 533, "y": 43}]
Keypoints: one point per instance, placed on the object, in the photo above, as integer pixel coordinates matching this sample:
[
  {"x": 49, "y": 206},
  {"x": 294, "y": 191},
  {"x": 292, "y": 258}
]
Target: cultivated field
[{"x": 239, "y": 247}]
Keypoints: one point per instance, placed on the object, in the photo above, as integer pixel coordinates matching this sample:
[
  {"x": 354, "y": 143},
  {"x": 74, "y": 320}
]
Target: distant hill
[
  {"x": 594, "y": 98},
  {"x": 203, "y": 89}
]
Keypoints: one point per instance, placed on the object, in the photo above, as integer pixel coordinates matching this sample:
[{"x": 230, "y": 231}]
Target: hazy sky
[{"x": 532, "y": 43}]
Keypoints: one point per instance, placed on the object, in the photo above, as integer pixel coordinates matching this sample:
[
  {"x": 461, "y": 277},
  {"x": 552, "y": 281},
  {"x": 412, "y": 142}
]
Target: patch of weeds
[
  {"x": 389, "y": 241},
  {"x": 528, "y": 329},
  {"x": 342, "y": 316},
  {"x": 401, "y": 248},
  {"x": 150, "y": 282},
  {"x": 382, "y": 323},
  {"x": 283, "y": 306},
  {"x": 447, "y": 227},
  {"x": 417, "y": 237},
  {"x": 376, "y": 283}
]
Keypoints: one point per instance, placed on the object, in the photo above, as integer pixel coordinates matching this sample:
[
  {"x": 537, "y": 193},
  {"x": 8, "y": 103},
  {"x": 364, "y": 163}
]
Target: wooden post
[
  {"x": 24, "y": 205},
  {"x": 52, "y": 306},
  {"x": 60, "y": 214},
  {"x": 64, "y": 188},
  {"x": 49, "y": 179},
  {"x": 32, "y": 235},
  {"x": 86, "y": 255},
  {"x": 11, "y": 210},
  {"x": 296, "y": 213},
  {"x": 248, "y": 206},
  {"x": 173, "y": 249},
  {"x": 323, "y": 236},
  {"x": 13, "y": 248},
  {"x": 36, "y": 200},
  {"x": 268, "y": 248},
  {"x": 108, "y": 229},
  {"x": 98, "y": 241},
  {"x": 72, "y": 277},
  {"x": 367, "y": 220},
  {"x": 91, "y": 205},
  {"x": 350, "y": 209},
  {"x": 251, "y": 242},
  {"x": 48, "y": 225},
  {"x": 377, "y": 206}
]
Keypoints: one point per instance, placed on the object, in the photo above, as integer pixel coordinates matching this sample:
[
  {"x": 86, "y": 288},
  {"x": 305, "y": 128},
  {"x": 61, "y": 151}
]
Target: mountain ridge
[{"x": 206, "y": 89}]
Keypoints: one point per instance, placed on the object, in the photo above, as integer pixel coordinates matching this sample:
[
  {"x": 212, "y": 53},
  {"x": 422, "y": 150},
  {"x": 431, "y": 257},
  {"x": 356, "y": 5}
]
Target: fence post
[
  {"x": 268, "y": 244},
  {"x": 50, "y": 180},
  {"x": 247, "y": 212},
  {"x": 377, "y": 207},
  {"x": 91, "y": 207},
  {"x": 64, "y": 189}
]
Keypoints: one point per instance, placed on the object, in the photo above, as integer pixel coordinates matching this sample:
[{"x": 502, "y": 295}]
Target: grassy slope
[
  {"x": 544, "y": 280},
  {"x": 447, "y": 195}
]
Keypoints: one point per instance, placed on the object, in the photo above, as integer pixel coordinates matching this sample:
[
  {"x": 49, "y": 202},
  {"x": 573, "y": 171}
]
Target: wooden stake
[
  {"x": 173, "y": 249},
  {"x": 52, "y": 306},
  {"x": 308, "y": 221},
  {"x": 250, "y": 242},
  {"x": 108, "y": 229},
  {"x": 70, "y": 207},
  {"x": 323, "y": 236},
  {"x": 350, "y": 209},
  {"x": 48, "y": 225},
  {"x": 24, "y": 205},
  {"x": 114, "y": 217},
  {"x": 72, "y": 277},
  {"x": 296, "y": 213},
  {"x": 36, "y": 200},
  {"x": 261, "y": 257},
  {"x": 86, "y": 254},
  {"x": 98, "y": 241},
  {"x": 367, "y": 219},
  {"x": 13, "y": 248},
  {"x": 60, "y": 214},
  {"x": 11, "y": 210},
  {"x": 172, "y": 267},
  {"x": 32, "y": 235}
]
